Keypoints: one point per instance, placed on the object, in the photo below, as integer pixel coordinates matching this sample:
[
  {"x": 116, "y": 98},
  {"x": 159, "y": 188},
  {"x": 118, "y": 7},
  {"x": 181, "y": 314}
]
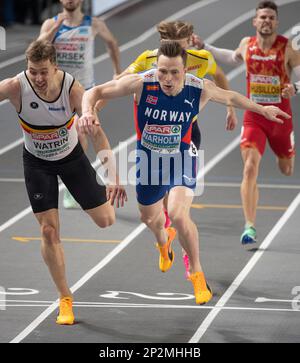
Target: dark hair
[
  {"x": 267, "y": 5},
  {"x": 41, "y": 50},
  {"x": 172, "y": 30},
  {"x": 172, "y": 49}
]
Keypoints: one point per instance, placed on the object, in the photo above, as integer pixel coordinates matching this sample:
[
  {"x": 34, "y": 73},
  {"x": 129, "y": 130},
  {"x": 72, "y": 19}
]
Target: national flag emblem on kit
[
  {"x": 152, "y": 99},
  {"x": 152, "y": 88}
]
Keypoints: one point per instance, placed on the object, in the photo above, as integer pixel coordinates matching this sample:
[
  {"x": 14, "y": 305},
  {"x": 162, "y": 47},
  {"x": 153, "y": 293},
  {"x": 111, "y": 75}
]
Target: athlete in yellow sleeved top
[{"x": 199, "y": 63}]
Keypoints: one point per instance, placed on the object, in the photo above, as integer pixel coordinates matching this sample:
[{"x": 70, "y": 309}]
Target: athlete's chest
[
  {"x": 75, "y": 38},
  {"x": 269, "y": 60},
  {"x": 157, "y": 106}
]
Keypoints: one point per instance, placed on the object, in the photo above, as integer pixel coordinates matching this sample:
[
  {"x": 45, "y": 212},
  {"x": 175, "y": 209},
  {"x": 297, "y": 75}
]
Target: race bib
[
  {"x": 48, "y": 145},
  {"x": 164, "y": 139},
  {"x": 265, "y": 89}
]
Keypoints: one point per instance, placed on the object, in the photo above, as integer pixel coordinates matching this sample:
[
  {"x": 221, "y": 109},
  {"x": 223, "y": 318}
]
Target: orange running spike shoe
[
  {"x": 202, "y": 291},
  {"x": 166, "y": 257},
  {"x": 65, "y": 316}
]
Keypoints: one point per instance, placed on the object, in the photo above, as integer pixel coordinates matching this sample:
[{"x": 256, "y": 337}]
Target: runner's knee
[
  {"x": 287, "y": 170},
  {"x": 147, "y": 219},
  {"x": 178, "y": 218},
  {"x": 49, "y": 234},
  {"x": 106, "y": 221},
  {"x": 250, "y": 169}
]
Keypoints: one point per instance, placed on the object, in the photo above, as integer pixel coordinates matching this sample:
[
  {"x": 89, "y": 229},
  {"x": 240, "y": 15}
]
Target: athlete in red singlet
[
  {"x": 270, "y": 59},
  {"x": 266, "y": 77}
]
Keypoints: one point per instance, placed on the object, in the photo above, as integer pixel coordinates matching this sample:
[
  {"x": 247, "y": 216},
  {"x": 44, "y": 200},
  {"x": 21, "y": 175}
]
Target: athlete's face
[
  {"x": 40, "y": 74},
  {"x": 266, "y": 22},
  {"x": 71, "y": 5},
  {"x": 171, "y": 74}
]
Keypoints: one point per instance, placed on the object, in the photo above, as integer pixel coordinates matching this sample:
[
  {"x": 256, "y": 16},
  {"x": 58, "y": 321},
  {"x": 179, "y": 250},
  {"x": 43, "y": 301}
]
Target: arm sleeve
[{"x": 224, "y": 55}]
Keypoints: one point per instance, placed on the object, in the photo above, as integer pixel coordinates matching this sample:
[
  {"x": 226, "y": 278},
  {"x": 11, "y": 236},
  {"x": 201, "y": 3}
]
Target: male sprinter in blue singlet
[
  {"x": 46, "y": 100},
  {"x": 167, "y": 99},
  {"x": 73, "y": 35}
]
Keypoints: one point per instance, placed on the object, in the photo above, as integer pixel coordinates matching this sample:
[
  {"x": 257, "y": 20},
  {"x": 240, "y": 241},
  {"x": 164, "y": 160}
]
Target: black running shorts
[{"x": 75, "y": 170}]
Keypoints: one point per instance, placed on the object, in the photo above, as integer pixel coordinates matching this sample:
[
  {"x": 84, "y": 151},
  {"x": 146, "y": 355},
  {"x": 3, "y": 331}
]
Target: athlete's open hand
[
  {"x": 272, "y": 113},
  {"x": 116, "y": 193},
  {"x": 88, "y": 122},
  {"x": 288, "y": 91},
  {"x": 197, "y": 41},
  {"x": 61, "y": 17},
  {"x": 231, "y": 119}
]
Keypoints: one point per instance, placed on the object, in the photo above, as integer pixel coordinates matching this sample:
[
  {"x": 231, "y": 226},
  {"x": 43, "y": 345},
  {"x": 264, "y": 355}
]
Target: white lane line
[
  {"x": 15, "y": 219},
  {"x": 11, "y": 146},
  {"x": 12, "y": 180},
  {"x": 11, "y": 61},
  {"x": 265, "y": 299},
  {"x": 244, "y": 273},
  {"x": 262, "y": 186},
  {"x": 124, "y": 47},
  {"x": 97, "y": 305}
]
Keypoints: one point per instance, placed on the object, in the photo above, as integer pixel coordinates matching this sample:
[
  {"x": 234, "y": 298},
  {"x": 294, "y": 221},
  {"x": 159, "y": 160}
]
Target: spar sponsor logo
[
  {"x": 61, "y": 133},
  {"x": 163, "y": 130},
  {"x": 45, "y": 137},
  {"x": 265, "y": 79}
]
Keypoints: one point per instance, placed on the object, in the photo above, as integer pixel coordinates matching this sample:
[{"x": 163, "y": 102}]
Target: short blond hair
[
  {"x": 41, "y": 50},
  {"x": 175, "y": 30}
]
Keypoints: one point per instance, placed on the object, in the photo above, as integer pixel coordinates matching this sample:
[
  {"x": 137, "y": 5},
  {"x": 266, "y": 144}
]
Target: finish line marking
[{"x": 79, "y": 304}]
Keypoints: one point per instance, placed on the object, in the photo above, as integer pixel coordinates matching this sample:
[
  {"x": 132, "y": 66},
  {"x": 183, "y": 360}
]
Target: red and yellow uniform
[{"x": 266, "y": 77}]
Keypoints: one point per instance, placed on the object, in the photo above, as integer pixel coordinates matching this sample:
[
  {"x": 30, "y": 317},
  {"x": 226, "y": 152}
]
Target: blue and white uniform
[
  {"x": 165, "y": 155},
  {"x": 75, "y": 51}
]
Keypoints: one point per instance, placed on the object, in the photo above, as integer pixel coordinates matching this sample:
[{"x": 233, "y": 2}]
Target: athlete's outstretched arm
[
  {"x": 230, "y": 98},
  {"x": 228, "y": 56},
  {"x": 117, "y": 88}
]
